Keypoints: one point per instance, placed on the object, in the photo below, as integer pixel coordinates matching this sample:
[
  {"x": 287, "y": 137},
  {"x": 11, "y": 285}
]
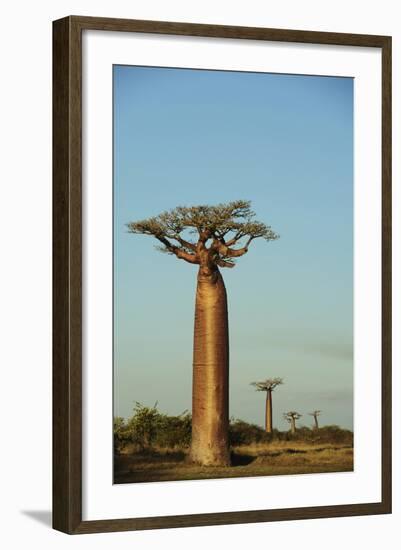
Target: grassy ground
[{"x": 265, "y": 459}]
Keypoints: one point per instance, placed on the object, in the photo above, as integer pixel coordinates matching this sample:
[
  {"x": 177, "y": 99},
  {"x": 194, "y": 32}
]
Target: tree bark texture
[
  {"x": 269, "y": 412},
  {"x": 210, "y": 446}
]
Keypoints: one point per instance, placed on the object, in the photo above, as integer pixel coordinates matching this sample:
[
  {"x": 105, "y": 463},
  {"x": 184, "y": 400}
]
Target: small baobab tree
[
  {"x": 292, "y": 417},
  {"x": 268, "y": 386},
  {"x": 210, "y": 237},
  {"x": 315, "y": 414}
]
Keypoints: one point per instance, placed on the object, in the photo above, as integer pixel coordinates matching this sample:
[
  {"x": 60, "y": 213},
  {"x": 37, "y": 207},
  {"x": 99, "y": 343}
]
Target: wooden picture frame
[{"x": 67, "y": 274}]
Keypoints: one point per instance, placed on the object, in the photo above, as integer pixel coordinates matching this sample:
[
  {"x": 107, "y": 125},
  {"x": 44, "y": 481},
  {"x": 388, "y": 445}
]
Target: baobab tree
[
  {"x": 315, "y": 414},
  {"x": 268, "y": 386},
  {"x": 210, "y": 237},
  {"x": 292, "y": 417}
]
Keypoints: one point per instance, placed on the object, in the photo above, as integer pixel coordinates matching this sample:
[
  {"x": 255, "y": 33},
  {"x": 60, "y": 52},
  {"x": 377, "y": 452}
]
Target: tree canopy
[
  {"x": 268, "y": 384},
  {"x": 290, "y": 415},
  {"x": 205, "y": 234}
]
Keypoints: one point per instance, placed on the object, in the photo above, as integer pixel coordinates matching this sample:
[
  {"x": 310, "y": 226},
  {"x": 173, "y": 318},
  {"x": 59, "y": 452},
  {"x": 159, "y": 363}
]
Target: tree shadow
[
  {"x": 241, "y": 460},
  {"x": 41, "y": 516}
]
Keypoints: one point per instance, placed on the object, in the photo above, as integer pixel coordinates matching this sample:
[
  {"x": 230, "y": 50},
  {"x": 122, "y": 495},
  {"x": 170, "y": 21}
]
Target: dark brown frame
[{"x": 67, "y": 276}]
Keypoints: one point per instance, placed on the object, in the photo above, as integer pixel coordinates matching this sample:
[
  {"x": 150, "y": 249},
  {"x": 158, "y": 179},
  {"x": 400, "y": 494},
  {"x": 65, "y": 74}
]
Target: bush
[
  {"x": 148, "y": 428},
  {"x": 334, "y": 434},
  {"x": 144, "y": 425},
  {"x": 242, "y": 433},
  {"x": 174, "y": 431},
  {"x": 325, "y": 434},
  {"x": 122, "y": 434}
]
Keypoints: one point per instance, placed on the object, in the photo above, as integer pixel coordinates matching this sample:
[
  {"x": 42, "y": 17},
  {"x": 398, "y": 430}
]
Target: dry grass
[{"x": 265, "y": 459}]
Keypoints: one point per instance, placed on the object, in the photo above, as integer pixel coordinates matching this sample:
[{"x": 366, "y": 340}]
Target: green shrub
[
  {"x": 122, "y": 434},
  {"x": 144, "y": 425},
  {"x": 242, "y": 433},
  {"x": 325, "y": 434},
  {"x": 334, "y": 434},
  {"x": 174, "y": 431},
  {"x": 148, "y": 428}
]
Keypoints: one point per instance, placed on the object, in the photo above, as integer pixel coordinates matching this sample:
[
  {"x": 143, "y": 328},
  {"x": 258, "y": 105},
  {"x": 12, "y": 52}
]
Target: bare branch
[
  {"x": 232, "y": 253},
  {"x": 236, "y": 238},
  {"x": 185, "y": 243},
  {"x": 190, "y": 258},
  {"x": 179, "y": 252},
  {"x": 225, "y": 263}
]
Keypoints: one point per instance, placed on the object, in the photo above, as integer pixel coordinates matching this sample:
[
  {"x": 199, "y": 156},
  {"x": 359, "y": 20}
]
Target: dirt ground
[{"x": 281, "y": 458}]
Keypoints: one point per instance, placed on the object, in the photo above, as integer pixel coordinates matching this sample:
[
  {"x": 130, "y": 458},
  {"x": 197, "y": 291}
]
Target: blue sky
[{"x": 285, "y": 142}]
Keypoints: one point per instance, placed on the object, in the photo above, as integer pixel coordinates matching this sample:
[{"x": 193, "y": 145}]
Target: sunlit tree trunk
[
  {"x": 223, "y": 234},
  {"x": 292, "y": 425},
  {"x": 210, "y": 373},
  {"x": 269, "y": 412}
]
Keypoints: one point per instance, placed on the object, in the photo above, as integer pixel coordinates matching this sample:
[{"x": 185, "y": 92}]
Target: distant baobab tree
[
  {"x": 206, "y": 236},
  {"x": 315, "y": 414},
  {"x": 268, "y": 386},
  {"x": 291, "y": 417}
]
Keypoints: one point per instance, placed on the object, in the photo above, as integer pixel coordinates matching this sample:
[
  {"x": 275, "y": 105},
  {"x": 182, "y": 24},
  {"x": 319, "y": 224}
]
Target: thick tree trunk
[
  {"x": 210, "y": 373},
  {"x": 269, "y": 412},
  {"x": 316, "y": 423},
  {"x": 292, "y": 425}
]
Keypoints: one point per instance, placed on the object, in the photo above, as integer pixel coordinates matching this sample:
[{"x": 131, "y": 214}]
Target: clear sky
[{"x": 285, "y": 142}]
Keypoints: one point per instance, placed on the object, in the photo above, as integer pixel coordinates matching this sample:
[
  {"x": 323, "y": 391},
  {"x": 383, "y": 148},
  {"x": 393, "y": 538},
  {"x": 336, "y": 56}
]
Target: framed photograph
[{"x": 222, "y": 274}]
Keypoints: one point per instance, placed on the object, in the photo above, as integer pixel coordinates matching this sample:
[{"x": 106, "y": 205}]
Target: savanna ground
[
  {"x": 276, "y": 458},
  {"x": 152, "y": 446}
]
